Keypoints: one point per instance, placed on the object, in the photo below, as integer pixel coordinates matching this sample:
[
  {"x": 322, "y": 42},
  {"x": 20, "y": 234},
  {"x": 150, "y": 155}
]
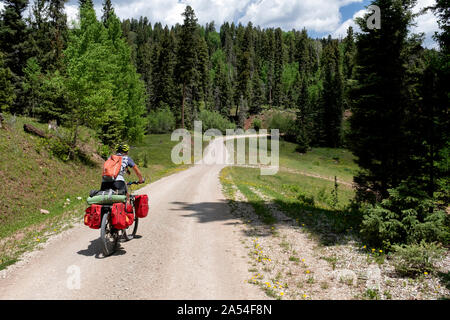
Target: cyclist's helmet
[{"x": 122, "y": 148}]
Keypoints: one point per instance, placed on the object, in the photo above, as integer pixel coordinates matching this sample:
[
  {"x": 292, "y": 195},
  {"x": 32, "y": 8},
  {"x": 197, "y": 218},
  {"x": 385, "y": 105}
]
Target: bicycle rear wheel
[{"x": 109, "y": 236}]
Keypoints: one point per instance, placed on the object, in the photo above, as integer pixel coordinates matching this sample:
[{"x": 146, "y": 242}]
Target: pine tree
[
  {"x": 331, "y": 106},
  {"x": 89, "y": 3},
  {"x": 303, "y": 122},
  {"x": 13, "y": 33},
  {"x": 349, "y": 50},
  {"x": 203, "y": 69},
  {"x": 163, "y": 59},
  {"x": 107, "y": 10},
  {"x": 378, "y": 135},
  {"x": 32, "y": 83},
  {"x": 58, "y": 33},
  {"x": 186, "y": 55},
  {"x": 244, "y": 67},
  {"x": 7, "y": 95},
  {"x": 302, "y": 53},
  {"x": 278, "y": 68}
]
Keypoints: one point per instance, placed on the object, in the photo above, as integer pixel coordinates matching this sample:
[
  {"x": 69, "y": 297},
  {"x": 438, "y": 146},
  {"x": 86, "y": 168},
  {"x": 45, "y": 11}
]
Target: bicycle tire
[
  {"x": 109, "y": 236},
  {"x": 134, "y": 227}
]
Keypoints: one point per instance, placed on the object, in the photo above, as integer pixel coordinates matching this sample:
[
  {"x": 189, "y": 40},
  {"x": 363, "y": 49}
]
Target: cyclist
[{"x": 119, "y": 183}]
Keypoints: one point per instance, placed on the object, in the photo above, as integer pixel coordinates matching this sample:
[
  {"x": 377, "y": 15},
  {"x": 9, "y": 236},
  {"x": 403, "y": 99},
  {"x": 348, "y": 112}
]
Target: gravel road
[{"x": 188, "y": 248}]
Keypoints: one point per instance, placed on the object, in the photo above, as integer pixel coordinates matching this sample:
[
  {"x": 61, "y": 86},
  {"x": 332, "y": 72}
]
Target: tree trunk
[{"x": 31, "y": 129}]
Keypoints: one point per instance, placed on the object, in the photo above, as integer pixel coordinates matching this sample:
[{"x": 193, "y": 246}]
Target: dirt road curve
[{"x": 189, "y": 248}]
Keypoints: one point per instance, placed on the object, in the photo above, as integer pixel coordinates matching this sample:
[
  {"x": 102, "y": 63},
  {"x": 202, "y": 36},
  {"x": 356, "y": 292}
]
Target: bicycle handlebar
[{"x": 134, "y": 182}]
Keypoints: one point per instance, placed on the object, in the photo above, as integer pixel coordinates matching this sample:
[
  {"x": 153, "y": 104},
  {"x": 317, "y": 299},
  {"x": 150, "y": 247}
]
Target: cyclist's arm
[{"x": 138, "y": 173}]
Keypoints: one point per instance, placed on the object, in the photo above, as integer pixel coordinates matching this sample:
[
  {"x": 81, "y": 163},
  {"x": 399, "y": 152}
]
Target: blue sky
[{"x": 319, "y": 17}]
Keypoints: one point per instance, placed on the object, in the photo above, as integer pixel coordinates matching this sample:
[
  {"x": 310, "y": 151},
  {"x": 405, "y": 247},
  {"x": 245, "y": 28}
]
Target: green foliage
[
  {"x": 283, "y": 122},
  {"x": 103, "y": 86},
  {"x": 305, "y": 199},
  {"x": 7, "y": 95},
  {"x": 60, "y": 148},
  {"x": 104, "y": 151},
  {"x": 257, "y": 124},
  {"x": 407, "y": 216},
  {"x": 32, "y": 85},
  {"x": 380, "y": 136},
  {"x": 415, "y": 259},
  {"x": 161, "y": 121},
  {"x": 214, "y": 120}
]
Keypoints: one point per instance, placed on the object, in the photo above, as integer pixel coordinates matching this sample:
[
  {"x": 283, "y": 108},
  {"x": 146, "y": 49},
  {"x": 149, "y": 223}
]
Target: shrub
[
  {"x": 214, "y": 120},
  {"x": 305, "y": 199},
  {"x": 414, "y": 259},
  {"x": 104, "y": 151},
  {"x": 285, "y": 123},
  {"x": 407, "y": 216},
  {"x": 161, "y": 121},
  {"x": 257, "y": 124}
]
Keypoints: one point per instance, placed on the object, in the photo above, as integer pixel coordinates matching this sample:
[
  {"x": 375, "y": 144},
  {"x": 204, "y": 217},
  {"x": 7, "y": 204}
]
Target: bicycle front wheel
[{"x": 108, "y": 235}]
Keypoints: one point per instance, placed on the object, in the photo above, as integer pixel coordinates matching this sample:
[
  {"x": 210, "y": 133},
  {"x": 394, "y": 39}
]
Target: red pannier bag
[
  {"x": 141, "y": 205},
  {"x": 130, "y": 214},
  {"x": 119, "y": 217},
  {"x": 93, "y": 216}
]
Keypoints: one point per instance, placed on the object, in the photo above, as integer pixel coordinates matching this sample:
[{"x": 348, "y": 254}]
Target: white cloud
[
  {"x": 72, "y": 13},
  {"x": 426, "y": 23},
  {"x": 341, "y": 32},
  {"x": 318, "y": 16},
  {"x": 322, "y": 17},
  {"x": 166, "y": 12}
]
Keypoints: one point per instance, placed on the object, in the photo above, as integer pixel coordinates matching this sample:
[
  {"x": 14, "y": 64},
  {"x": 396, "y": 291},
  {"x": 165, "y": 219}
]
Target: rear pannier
[
  {"x": 119, "y": 217},
  {"x": 141, "y": 205},
  {"x": 93, "y": 216}
]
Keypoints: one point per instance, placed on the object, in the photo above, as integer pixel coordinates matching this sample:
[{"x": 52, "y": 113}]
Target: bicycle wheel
[
  {"x": 130, "y": 232},
  {"x": 109, "y": 236}
]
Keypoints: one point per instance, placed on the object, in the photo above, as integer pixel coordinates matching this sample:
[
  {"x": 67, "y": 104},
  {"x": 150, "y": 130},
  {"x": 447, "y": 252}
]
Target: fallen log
[{"x": 31, "y": 129}]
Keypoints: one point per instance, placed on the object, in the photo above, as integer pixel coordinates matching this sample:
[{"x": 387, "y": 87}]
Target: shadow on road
[
  {"x": 206, "y": 212},
  {"x": 330, "y": 227},
  {"x": 95, "y": 250}
]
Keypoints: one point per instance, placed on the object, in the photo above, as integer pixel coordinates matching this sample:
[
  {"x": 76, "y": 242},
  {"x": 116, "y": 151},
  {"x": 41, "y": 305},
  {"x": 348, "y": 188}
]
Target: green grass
[
  {"x": 325, "y": 162},
  {"x": 309, "y": 200},
  {"x": 153, "y": 156}
]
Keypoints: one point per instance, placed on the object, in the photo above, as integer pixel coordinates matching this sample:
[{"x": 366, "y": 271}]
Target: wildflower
[
  {"x": 373, "y": 250},
  {"x": 381, "y": 251},
  {"x": 281, "y": 293},
  {"x": 425, "y": 273},
  {"x": 364, "y": 247},
  {"x": 305, "y": 296},
  {"x": 307, "y": 271}
]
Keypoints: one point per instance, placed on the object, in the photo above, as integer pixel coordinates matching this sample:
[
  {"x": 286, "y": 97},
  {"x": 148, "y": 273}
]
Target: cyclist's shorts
[{"x": 120, "y": 186}]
